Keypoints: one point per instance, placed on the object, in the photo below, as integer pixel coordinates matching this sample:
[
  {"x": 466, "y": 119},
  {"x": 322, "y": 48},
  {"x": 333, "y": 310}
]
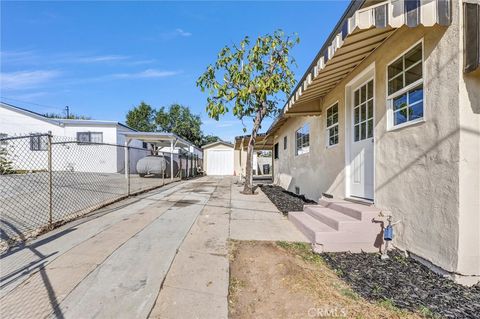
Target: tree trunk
[{"x": 248, "y": 187}]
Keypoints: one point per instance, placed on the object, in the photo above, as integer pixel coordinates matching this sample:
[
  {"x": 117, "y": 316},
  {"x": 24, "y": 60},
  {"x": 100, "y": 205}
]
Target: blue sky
[{"x": 103, "y": 58}]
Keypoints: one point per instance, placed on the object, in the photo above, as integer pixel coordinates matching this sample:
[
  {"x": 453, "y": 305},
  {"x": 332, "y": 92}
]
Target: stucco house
[
  {"x": 262, "y": 157},
  {"x": 386, "y": 120},
  {"x": 16, "y": 121}
]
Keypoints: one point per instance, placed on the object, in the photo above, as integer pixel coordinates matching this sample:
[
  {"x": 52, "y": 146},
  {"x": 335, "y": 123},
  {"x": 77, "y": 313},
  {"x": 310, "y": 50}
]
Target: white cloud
[
  {"x": 182, "y": 33},
  {"x": 149, "y": 73},
  {"x": 174, "y": 34},
  {"x": 27, "y": 79},
  {"x": 18, "y": 57},
  {"x": 97, "y": 58}
]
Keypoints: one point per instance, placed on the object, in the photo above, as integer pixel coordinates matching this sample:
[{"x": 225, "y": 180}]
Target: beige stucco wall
[
  {"x": 319, "y": 170},
  {"x": 469, "y": 179},
  {"x": 240, "y": 158},
  {"x": 420, "y": 175}
]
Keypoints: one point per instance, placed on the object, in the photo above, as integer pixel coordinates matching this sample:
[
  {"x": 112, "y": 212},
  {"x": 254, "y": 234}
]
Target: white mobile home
[{"x": 15, "y": 121}]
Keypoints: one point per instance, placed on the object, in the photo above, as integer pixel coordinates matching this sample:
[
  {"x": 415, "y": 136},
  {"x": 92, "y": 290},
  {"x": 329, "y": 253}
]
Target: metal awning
[
  {"x": 160, "y": 139},
  {"x": 262, "y": 142},
  {"x": 364, "y": 31}
]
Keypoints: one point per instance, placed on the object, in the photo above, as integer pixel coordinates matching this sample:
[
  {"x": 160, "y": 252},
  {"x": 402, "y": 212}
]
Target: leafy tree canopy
[
  {"x": 71, "y": 116},
  {"x": 207, "y": 139},
  {"x": 179, "y": 119},
  {"x": 176, "y": 119},
  {"x": 142, "y": 118},
  {"x": 248, "y": 78}
]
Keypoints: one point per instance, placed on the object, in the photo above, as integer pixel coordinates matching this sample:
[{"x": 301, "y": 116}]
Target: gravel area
[
  {"x": 284, "y": 200},
  {"x": 405, "y": 283}
]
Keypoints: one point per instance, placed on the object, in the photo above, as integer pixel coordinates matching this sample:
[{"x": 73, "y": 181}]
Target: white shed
[{"x": 218, "y": 158}]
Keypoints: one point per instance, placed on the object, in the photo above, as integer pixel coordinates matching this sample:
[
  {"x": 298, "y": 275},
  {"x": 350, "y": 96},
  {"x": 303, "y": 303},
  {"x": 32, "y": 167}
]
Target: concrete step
[
  {"x": 358, "y": 211},
  {"x": 338, "y": 225},
  {"x": 308, "y": 225},
  {"x": 332, "y": 218}
]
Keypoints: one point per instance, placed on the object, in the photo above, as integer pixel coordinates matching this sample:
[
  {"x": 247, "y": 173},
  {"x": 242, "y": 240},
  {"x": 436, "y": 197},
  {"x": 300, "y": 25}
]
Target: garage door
[{"x": 220, "y": 162}]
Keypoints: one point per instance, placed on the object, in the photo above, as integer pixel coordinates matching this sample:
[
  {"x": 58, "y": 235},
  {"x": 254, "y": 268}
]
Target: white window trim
[
  {"x": 327, "y": 130},
  {"x": 296, "y": 141},
  {"x": 390, "y": 97}
]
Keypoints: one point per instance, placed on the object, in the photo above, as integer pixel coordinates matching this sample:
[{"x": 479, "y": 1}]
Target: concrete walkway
[{"x": 163, "y": 254}]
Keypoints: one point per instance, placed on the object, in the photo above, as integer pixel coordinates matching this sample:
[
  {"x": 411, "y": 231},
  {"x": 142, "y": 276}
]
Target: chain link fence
[{"x": 48, "y": 180}]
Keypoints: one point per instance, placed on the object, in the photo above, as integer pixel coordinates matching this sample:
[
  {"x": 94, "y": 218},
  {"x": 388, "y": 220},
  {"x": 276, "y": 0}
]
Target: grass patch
[
  {"x": 389, "y": 305},
  {"x": 302, "y": 250},
  {"x": 426, "y": 312},
  {"x": 349, "y": 293}
]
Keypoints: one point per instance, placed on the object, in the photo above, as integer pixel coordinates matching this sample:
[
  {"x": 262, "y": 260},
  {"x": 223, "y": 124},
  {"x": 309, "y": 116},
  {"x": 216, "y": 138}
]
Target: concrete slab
[
  {"x": 112, "y": 265},
  {"x": 64, "y": 273},
  {"x": 252, "y": 204},
  {"x": 267, "y": 229},
  {"x": 19, "y": 263},
  {"x": 199, "y": 272},
  {"x": 191, "y": 304},
  {"x": 248, "y": 214},
  {"x": 208, "y": 235}
]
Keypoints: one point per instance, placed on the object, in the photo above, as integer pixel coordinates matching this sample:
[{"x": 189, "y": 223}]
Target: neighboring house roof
[
  {"x": 217, "y": 143},
  {"x": 62, "y": 122}
]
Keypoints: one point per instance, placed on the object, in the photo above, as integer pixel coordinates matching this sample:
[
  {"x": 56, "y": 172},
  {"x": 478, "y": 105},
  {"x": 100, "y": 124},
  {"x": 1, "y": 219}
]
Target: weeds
[{"x": 303, "y": 250}]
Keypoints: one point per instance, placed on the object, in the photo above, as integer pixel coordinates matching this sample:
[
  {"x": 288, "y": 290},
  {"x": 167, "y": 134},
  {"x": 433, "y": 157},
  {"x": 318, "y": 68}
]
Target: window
[
  {"x": 38, "y": 142},
  {"x": 144, "y": 145},
  {"x": 302, "y": 141},
  {"x": 90, "y": 137},
  {"x": 332, "y": 125},
  {"x": 285, "y": 142},
  {"x": 275, "y": 151},
  {"x": 405, "y": 88},
  {"x": 363, "y": 112},
  {"x": 471, "y": 43}
]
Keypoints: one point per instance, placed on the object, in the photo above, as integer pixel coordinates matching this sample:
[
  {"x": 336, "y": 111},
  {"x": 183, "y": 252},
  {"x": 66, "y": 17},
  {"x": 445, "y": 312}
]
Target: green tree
[
  {"x": 248, "y": 78},
  {"x": 207, "y": 139},
  {"x": 142, "y": 118},
  {"x": 71, "y": 116},
  {"x": 179, "y": 119}
]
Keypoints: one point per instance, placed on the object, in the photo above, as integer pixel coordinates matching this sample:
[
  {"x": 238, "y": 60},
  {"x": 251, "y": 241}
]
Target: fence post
[
  {"x": 50, "y": 183},
  {"x": 127, "y": 169}
]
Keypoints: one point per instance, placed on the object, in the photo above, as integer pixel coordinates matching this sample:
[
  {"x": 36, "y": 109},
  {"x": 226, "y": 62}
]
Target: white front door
[{"x": 361, "y": 141}]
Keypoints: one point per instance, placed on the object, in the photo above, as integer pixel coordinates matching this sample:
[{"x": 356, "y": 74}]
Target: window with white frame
[
  {"x": 302, "y": 140},
  {"x": 405, "y": 87},
  {"x": 38, "y": 142},
  {"x": 332, "y": 125},
  {"x": 90, "y": 137}
]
